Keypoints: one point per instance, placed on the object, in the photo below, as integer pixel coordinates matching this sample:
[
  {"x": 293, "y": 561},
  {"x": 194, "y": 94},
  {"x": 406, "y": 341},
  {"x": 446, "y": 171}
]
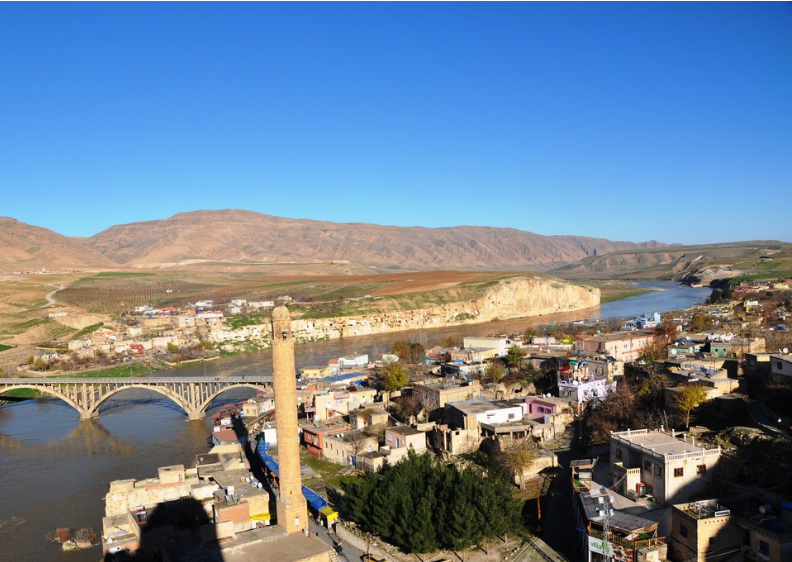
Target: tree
[
  {"x": 688, "y": 399},
  {"x": 409, "y": 352},
  {"x": 515, "y": 356},
  {"x": 452, "y": 341},
  {"x": 173, "y": 348},
  {"x": 494, "y": 371},
  {"x": 394, "y": 377},
  {"x": 666, "y": 331},
  {"x": 515, "y": 457},
  {"x": 701, "y": 321},
  {"x": 654, "y": 350}
]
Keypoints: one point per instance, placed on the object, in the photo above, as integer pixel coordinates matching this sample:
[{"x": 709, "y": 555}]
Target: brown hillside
[
  {"x": 244, "y": 236},
  {"x": 27, "y": 247}
]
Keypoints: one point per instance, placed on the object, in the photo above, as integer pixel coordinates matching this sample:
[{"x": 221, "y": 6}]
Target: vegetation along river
[{"x": 56, "y": 469}]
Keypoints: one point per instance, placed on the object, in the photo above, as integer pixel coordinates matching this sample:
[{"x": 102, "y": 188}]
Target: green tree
[
  {"x": 515, "y": 356},
  {"x": 357, "y": 497},
  {"x": 688, "y": 399},
  {"x": 394, "y": 377},
  {"x": 498, "y": 508},
  {"x": 494, "y": 371},
  {"x": 464, "y": 529},
  {"x": 173, "y": 348}
]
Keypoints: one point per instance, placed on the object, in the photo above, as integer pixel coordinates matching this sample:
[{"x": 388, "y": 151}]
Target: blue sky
[{"x": 627, "y": 121}]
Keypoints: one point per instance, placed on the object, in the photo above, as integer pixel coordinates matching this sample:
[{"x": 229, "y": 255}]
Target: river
[{"x": 56, "y": 469}]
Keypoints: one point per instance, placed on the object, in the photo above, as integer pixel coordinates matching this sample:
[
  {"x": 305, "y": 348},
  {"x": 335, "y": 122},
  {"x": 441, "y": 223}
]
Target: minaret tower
[{"x": 292, "y": 510}]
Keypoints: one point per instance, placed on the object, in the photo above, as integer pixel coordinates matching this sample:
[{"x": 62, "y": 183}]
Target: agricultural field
[{"x": 116, "y": 293}]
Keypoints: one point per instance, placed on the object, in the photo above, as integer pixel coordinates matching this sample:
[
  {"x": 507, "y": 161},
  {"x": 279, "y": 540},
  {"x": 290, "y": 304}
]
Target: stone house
[
  {"x": 701, "y": 529},
  {"x": 368, "y": 417},
  {"x": 314, "y": 437},
  {"x": 433, "y": 396},
  {"x": 406, "y": 437},
  {"x": 343, "y": 448}
]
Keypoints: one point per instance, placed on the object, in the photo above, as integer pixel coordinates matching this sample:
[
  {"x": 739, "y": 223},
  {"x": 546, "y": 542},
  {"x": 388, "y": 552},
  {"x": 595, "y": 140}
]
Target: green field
[
  {"x": 23, "y": 393},
  {"x": 119, "y": 371},
  {"x": 620, "y": 295}
]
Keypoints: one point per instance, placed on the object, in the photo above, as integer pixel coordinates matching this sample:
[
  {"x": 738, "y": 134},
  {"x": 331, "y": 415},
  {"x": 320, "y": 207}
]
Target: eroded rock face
[{"x": 513, "y": 298}]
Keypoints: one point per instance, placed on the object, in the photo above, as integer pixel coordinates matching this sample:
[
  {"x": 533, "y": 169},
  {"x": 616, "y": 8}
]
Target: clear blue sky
[{"x": 627, "y": 121}]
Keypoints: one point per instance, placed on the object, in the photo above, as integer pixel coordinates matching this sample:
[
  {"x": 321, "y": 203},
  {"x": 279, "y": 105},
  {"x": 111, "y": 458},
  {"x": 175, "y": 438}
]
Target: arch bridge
[{"x": 192, "y": 394}]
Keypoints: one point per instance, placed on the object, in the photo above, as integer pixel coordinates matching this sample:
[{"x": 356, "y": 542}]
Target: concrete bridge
[{"x": 192, "y": 394}]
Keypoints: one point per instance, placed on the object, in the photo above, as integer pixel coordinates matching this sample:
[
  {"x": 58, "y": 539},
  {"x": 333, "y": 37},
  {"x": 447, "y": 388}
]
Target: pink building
[
  {"x": 404, "y": 436},
  {"x": 538, "y": 407}
]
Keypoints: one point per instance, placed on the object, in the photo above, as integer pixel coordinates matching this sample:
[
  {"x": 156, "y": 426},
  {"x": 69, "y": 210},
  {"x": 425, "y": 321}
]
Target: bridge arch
[
  {"x": 82, "y": 411},
  {"x": 201, "y": 409},
  {"x": 180, "y": 402}
]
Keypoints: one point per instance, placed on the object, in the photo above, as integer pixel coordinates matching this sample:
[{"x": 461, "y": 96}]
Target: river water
[{"x": 56, "y": 469}]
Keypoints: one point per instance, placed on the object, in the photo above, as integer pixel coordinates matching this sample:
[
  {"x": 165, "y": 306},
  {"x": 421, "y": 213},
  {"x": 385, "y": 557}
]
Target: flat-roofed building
[
  {"x": 668, "y": 466},
  {"x": 700, "y": 530},
  {"x": 471, "y": 413},
  {"x": 615, "y": 535},
  {"x": 368, "y": 417},
  {"x": 624, "y": 346},
  {"x": 437, "y": 396},
  {"x": 404, "y": 436}
]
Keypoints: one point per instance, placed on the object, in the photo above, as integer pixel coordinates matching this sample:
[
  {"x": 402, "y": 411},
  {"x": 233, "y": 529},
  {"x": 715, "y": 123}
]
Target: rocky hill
[
  {"x": 27, "y": 247},
  {"x": 518, "y": 297},
  {"x": 243, "y": 237},
  {"x": 698, "y": 264}
]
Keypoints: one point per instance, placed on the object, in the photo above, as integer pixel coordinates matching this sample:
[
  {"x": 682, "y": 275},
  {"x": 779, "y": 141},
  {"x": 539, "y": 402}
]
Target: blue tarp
[
  {"x": 346, "y": 376},
  {"x": 315, "y": 500}
]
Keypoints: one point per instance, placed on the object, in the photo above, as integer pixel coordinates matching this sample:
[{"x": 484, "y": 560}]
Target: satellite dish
[{"x": 786, "y": 350}]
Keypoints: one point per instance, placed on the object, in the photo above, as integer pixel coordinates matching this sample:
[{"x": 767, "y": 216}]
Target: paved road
[
  {"x": 558, "y": 516},
  {"x": 348, "y": 552}
]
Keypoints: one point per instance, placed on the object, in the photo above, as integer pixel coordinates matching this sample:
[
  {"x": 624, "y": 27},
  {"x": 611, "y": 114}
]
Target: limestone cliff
[{"x": 513, "y": 298}]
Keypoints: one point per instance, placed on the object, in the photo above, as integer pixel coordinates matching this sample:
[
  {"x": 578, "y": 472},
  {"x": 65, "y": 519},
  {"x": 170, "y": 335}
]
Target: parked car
[{"x": 372, "y": 558}]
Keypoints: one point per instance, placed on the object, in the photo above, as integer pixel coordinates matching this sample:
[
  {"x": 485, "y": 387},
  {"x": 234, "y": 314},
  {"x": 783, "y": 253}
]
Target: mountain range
[{"x": 246, "y": 237}]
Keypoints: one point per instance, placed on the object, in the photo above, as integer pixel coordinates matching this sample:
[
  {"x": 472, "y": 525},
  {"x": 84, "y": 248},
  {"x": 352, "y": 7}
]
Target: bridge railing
[{"x": 237, "y": 379}]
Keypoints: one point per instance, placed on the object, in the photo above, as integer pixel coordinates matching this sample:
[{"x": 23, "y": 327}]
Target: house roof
[
  {"x": 479, "y": 405},
  {"x": 405, "y": 430},
  {"x": 598, "y": 504},
  {"x": 659, "y": 442}
]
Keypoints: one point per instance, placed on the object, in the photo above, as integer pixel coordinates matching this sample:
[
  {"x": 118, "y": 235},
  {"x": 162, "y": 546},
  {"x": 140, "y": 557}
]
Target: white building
[
  {"x": 500, "y": 345},
  {"x": 355, "y": 362},
  {"x": 667, "y": 466}
]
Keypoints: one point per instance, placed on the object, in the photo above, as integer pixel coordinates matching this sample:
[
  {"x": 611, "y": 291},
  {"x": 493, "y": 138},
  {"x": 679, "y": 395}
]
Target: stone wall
[{"x": 513, "y": 298}]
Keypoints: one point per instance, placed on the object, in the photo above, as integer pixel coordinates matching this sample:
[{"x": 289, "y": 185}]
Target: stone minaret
[{"x": 292, "y": 510}]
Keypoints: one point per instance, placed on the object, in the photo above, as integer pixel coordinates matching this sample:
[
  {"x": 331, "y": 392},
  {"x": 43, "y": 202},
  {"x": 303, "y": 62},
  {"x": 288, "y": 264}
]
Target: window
[
  {"x": 764, "y": 548},
  {"x": 511, "y": 416},
  {"x": 658, "y": 470},
  {"x": 648, "y": 465},
  {"x": 683, "y": 531},
  {"x": 679, "y": 472},
  {"x": 618, "y": 453},
  {"x": 701, "y": 469}
]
